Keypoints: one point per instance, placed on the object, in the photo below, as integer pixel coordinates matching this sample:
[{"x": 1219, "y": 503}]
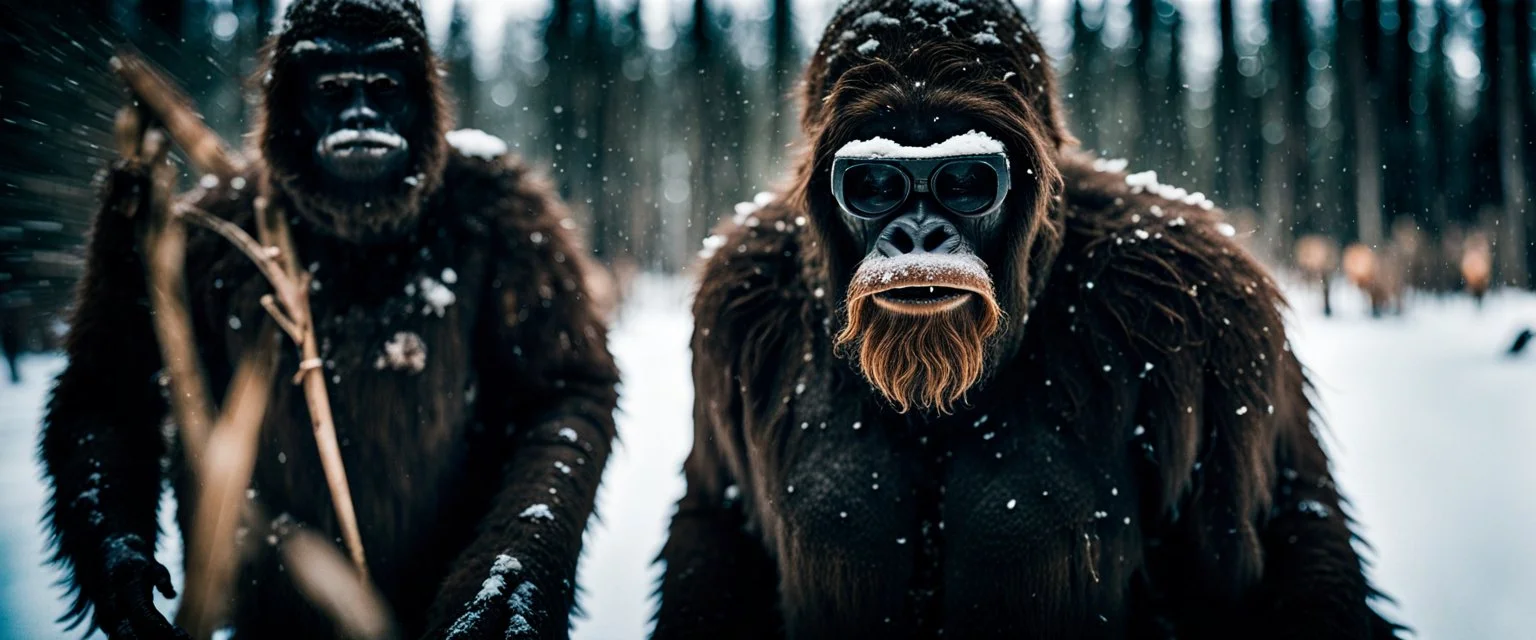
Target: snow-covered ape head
[
  {"x": 934, "y": 133},
  {"x": 353, "y": 115}
]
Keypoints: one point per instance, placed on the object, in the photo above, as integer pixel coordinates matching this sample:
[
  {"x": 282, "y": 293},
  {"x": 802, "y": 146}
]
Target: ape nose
[
  {"x": 918, "y": 233},
  {"x": 359, "y": 116}
]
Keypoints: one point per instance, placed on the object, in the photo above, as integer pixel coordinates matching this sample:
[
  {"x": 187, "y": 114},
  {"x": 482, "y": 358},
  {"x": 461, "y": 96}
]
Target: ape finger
[{"x": 162, "y": 581}]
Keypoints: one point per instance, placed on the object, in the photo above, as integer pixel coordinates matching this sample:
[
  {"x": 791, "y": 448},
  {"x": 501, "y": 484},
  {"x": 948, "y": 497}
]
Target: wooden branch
[
  {"x": 275, "y": 257},
  {"x": 220, "y": 458},
  {"x": 270, "y": 268},
  {"x": 291, "y": 311},
  {"x": 166, "y": 249},
  {"x": 205, "y": 149},
  {"x": 212, "y": 557},
  {"x": 325, "y": 579},
  {"x": 273, "y": 229}
]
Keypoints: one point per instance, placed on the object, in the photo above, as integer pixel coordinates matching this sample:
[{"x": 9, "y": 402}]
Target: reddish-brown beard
[{"x": 921, "y": 355}]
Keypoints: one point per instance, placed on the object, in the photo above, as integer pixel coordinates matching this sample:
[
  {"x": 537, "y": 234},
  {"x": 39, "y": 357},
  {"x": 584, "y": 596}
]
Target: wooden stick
[
  {"x": 322, "y": 575},
  {"x": 166, "y": 249},
  {"x": 229, "y": 459},
  {"x": 291, "y": 311},
  {"x": 208, "y": 153},
  {"x": 273, "y": 229},
  {"x": 221, "y": 457},
  {"x": 205, "y": 149}
]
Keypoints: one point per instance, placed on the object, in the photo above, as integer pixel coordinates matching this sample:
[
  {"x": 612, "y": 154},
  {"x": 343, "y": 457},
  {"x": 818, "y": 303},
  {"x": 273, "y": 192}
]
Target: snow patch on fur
[
  {"x": 537, "y": 512},
  {"x": 474, "y": 143},
  {"x": 1146, "y": 181},
  {"x": 406, "y": 351}
]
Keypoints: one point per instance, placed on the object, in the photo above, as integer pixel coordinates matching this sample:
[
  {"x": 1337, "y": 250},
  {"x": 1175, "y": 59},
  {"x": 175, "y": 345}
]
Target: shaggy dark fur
[
  {"x": 1138, "y": 461},
  {"x": 511, "y": 406}
]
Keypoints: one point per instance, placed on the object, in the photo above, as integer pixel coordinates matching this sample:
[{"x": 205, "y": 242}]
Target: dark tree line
[{"x": 1377, "y": 121}]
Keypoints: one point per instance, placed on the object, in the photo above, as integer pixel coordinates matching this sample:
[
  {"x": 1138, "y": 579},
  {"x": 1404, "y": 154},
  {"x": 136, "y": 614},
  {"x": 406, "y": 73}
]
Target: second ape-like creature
[
  {"x": 469, "y": 375},
  {"x": 960, "y": 380}
]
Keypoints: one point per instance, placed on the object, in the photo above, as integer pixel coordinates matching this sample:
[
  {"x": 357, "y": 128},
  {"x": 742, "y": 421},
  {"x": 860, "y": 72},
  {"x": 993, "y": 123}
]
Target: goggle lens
[
  {"x": 965, "y": 186},
  {"x": 874, "y": 189}
]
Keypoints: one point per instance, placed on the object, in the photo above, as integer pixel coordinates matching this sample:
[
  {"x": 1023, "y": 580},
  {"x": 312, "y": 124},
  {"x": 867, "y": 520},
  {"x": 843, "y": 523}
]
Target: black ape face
[
  {"x": 355, "y": 98},
  {"x": 924, "y": 201},
  {"x": 923, "y": 190}
]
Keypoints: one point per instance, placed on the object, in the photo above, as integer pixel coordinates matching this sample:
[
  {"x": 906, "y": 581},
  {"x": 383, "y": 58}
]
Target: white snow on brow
[
  {"x": 921, "y": 266},
  {"x": 391, "y": 44},
  {"x": 309, "y": 45},
  {"x": 965, "y": 144},
  {"x": 474, "y": 143},
  {"x": 537, "y": 512},
  {"x": 1146, "y": 181},
  {"x": 869, "y": 47}
]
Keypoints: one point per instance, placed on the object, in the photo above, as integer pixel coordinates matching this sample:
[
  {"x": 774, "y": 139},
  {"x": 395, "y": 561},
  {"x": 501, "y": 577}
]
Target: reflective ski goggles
[{"x": 972, "y": 185}]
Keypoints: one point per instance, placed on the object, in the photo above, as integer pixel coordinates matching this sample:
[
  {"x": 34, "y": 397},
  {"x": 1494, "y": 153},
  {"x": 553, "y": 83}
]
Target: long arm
[
  {"x": 1314, "y": 583},
  {"x": 552, "y": 383},
  {"x": 101, "y": 444},
  {"x": 717, "y": 581},
  {"x": 1246, "y": 536}
]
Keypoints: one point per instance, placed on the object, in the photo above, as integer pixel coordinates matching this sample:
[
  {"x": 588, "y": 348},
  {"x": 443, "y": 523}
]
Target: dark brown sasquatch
[
  {"x": 1128, "y": 453},
  {"x": 469, "y": 376}
]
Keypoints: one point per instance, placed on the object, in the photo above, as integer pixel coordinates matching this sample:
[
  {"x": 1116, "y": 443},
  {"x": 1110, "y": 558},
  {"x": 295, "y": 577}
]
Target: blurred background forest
[{"x": 1404, "y": 125}]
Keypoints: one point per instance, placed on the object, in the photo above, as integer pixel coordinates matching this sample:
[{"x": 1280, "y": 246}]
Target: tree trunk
[
  {"x": 1358, "y": 22},
  {"x": 1513, "y": 249}
]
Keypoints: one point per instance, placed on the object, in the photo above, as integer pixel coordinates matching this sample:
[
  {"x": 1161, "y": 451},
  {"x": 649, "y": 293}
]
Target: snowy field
[{"x": 1431, "y": 427}]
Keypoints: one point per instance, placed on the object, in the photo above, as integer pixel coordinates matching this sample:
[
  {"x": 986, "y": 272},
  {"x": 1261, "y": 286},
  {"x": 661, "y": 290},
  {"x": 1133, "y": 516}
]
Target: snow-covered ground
[{"x": 1431, "y": 427}]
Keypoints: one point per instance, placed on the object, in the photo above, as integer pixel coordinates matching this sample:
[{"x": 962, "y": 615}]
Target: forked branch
[{"x": 223, "y": 456}]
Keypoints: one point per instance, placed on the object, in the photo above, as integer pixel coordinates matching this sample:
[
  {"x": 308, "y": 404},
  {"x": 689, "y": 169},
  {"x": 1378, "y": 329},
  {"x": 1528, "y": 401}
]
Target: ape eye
[
  {"x": 383, "y": 85},
  {"x": 329, "y": 87},
  {"x": 873, "y": 189},
  {"x": 966, "y": 186}
]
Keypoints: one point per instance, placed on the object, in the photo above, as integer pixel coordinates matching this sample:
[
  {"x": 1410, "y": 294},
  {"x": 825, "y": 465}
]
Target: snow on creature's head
[
  {"x": 963, "y": 43},
  {"x": 335, "y": 41}
]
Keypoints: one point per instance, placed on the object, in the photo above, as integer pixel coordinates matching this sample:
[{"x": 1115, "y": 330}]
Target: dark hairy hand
[
  {"x": 504, "y": 608},
  {"x": 125, "y": 610}
]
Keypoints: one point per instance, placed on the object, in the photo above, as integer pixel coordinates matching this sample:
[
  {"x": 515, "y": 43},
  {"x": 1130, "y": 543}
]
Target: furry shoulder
[
  {"x": 752, "y": 293},
  {"x": 1161, "y": 264},
  {"x": 490, "y": 186}
]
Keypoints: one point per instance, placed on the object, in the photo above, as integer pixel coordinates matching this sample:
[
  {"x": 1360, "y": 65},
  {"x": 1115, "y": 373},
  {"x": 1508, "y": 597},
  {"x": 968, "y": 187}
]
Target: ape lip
[
  {"x": 922, "y": 284},
  {"x": 362, "y": 142}
]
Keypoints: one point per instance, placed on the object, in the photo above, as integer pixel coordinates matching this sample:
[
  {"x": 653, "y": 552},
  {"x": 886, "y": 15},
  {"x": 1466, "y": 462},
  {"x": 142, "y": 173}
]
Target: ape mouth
[
  {"x": 922, "y": 300},
  {"x": 920, "y": 325},
  {"x": 922, "y": 284},
  {"x": 361, "y": 154}
]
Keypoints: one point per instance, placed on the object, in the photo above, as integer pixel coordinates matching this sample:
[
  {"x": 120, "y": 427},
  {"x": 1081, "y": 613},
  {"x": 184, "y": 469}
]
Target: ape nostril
[
  {"x": 902, "y": 241},
  {"x": 935, "y": 239}
]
